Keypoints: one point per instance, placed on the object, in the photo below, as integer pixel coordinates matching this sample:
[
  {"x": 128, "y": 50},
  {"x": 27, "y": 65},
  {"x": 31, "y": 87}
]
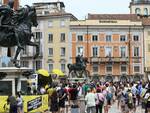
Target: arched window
[
  {"x": 145, "y": 11},
  {"x": 137, "y": 11}
]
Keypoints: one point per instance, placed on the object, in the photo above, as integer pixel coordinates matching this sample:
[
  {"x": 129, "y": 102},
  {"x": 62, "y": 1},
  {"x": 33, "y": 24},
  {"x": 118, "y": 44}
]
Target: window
[
  {"x": 50, "y": 51},
  {"x": 122, "y": 38},
  {"x": 148, "y": 33},
  {"x": 62, "y": 23},
  {"x": 62, "y": 38},
  {"x": 123, "y": 51},
  {"x": 80, "y": 51},
  {"x": 123, "y": 69},
  {"x": 38, "y": 65},
  {"x": 50, "y": 67},
  {"x": 137, "y": 11},
  {"x": 108, "y": 38},
  {"x": 108, "y": 51},
  {"x": 50, "y": 24},
  {"x": 50, "y": 38},
  {"x": 25, "y": 64},
  {"x": 95, "y": 51},
  {"x": 95, "y": 67},
  {"x": 6, "y": 87},
  {"x": 63, "y": 67},
  {"x": 136, "y": 38},
  {"x": 63, "y": 50},
  {"x": 148, "y": 47},
  {"x": 109, "y": 68},
  {"x": 136, "y": 68},
  {"x": 80, "y": 38},
  {"x": 94, "y": 38},
  {"x": 136, "y": 51},
  {"x": 38, "y": 35},
  {"x": 145, "y": 11}
]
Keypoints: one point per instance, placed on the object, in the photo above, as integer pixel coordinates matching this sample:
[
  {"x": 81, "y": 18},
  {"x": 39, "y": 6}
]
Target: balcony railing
[
  {"x": 108, "y": 59},
  {"x": 140, "y": 2},
  {"x": 29, "y": 54}
]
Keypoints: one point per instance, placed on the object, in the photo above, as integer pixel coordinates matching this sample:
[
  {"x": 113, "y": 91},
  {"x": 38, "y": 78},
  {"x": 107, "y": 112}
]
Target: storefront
[{"x": 14, "y": 80}]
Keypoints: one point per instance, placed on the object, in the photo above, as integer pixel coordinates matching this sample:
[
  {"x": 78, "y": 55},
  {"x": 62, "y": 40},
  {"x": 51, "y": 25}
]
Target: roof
[
  {"x": 48, "y": 3},
  {"x": 132, "y": 17},
  {"x": 59, "y": 14}
]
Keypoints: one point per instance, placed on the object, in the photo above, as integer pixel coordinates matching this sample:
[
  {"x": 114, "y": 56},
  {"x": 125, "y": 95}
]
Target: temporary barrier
[{"x": 32, "y": 103}]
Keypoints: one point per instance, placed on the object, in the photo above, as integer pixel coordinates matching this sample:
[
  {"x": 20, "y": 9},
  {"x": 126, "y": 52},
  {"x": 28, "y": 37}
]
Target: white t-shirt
[{"x": 90, "y": 98}]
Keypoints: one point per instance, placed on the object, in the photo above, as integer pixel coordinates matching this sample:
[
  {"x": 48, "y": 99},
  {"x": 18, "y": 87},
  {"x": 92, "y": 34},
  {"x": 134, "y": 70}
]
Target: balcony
[
  {"x": 108, "y": 59},
  {"x": 140, "y": 2},
  {"x": 30, "y": 55}
]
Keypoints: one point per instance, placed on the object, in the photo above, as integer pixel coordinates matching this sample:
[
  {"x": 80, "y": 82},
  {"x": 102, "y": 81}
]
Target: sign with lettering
[{"x": 34, "y": 104}]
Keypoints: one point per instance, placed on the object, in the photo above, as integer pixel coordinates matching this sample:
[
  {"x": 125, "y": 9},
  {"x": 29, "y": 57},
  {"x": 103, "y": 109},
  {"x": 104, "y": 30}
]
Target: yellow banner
[
  {"x": 32, "y": 104},
  {"x": 4, "y": 108}
]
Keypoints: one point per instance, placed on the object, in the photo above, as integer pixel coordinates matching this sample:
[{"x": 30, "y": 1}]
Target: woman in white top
[{"x": 19, "y": 103}]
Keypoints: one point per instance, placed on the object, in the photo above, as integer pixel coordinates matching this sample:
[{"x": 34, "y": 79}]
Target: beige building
[
  {"x": 142, "y": 9},
  {"x": 53, "y": 32}
]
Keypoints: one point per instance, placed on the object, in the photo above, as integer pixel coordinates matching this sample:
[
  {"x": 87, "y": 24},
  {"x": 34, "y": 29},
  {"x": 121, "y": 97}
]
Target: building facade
[
  {"x": 142, "y": 9},
  {"x": 52, "y": 32},
  {"x": 113, "y": 45}
]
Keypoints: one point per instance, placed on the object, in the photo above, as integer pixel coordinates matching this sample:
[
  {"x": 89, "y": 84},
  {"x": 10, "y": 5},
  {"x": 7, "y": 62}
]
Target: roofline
[
  {"x": 58, "y": 15},
  {"x": 44, "y": 3}
]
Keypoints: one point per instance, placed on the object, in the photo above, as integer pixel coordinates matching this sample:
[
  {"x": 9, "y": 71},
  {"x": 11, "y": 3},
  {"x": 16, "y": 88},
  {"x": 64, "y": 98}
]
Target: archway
[
  {"x": 108, "y": 78},
  {"x": 123, "y": 78},
  {"x": 96, "y": 77},
  {"x": 137, "y": 77}
]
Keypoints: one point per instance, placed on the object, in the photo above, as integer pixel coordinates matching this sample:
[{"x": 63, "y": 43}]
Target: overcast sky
[{"x": 80, "y": 8}]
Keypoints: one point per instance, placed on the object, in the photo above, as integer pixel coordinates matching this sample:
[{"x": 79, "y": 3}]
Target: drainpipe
[
  {"x": 144, "y": 54},
  {"x": 129, "y": 49}
]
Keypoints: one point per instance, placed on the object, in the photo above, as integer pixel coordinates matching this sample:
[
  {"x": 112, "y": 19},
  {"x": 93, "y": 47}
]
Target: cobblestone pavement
[{"x": 113, "y": 109}]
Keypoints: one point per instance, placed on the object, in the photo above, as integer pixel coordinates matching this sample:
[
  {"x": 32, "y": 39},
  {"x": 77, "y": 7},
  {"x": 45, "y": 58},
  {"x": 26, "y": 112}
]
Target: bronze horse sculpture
[
  {"x": 17, "y": 30},
  {"x": 79, "y": 66}
]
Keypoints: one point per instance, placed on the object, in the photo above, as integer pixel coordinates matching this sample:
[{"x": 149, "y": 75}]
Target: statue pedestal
[{"x": 76, "y": 80}]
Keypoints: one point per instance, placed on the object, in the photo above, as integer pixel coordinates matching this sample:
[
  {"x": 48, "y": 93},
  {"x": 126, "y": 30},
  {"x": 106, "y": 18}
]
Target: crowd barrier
[{"x": 32, "y": 103}]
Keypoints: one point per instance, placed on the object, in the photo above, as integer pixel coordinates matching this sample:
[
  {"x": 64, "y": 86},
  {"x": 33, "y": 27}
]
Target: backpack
[
  {"x": 109, "y": 96},
  {"x": 100, "y": 102}
]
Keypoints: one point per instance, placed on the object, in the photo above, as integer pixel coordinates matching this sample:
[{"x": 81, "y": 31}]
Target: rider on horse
[
  {"x": 6, "y": 11},
  {"x": 80, "y": 61}
]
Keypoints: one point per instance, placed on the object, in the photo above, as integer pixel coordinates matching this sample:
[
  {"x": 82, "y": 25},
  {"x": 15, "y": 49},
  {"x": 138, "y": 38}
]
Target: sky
[{"x": 80, "y": 8}]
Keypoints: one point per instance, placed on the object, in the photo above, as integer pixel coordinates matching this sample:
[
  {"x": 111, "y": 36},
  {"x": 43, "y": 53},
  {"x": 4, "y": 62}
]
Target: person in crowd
[
  {"x": 11, "y": 100},
  {"x": 54, "y": 100},
  {"x": 118, "y": 95},
  {"x": 19, "y": 100},
  {"x": 134, "y": 92},
  {"x": 104, "y": 91},
  {"x": 42, "y": 90},
  {"x": 146, "y": 98},
  {"x": 130, "y": 100},
  {"x": 90, "y": 99},
  {"x": 99, "y": 101},
  {"x": 85, "y": 87},
  {"x": 73, "y": 94},
  {"x": 62, "y": 97}
]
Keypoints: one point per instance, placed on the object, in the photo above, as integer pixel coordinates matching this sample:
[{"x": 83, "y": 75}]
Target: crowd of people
[{"x": 99, "y": 97}]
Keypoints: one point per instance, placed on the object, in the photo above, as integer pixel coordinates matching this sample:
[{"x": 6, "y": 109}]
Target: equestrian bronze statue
[
  {"x": 78, "y": 69},
  {"x": 15, "y": 28}
]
